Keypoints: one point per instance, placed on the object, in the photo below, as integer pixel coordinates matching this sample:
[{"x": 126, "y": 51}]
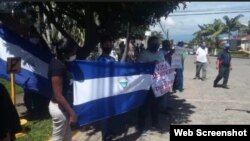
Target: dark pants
[
  {"x": 201, "y": 66},
  {"x": 35, "y": 103},
  {"x": 151, "y": 105},
  {"x": 223, "y": 73},
  {"x": 111, "y": 125},
  {"x": 178, "y": 81}
]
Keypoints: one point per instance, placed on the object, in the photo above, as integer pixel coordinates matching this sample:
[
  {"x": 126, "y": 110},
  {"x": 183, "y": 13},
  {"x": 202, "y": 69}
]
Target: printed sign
[
  {"x": 176, "y": 58},
  {"x": 162, "y": 79},
  {"x": 13, "y": 64}
]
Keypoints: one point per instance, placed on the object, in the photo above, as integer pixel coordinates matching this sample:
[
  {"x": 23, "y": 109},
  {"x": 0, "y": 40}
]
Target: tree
[
  {"x": 211, "y": 31},
  {"x": 232, "y": 24},
  {"x": 244, "y": 29},
  {"x": 157, "y": 34},
  {"x": 78, "y": 20}
]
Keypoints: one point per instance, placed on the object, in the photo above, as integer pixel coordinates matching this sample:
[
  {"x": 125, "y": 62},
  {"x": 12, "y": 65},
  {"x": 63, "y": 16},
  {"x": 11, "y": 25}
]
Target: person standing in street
[
  {"x": 151, "y": 104},
  {"x": 224, "y": 65},
  {"x": 201, "y": 60}
]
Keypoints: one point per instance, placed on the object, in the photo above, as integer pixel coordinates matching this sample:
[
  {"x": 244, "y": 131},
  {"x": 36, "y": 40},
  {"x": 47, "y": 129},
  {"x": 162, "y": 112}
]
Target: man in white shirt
[{"x": 201, "y": 60}]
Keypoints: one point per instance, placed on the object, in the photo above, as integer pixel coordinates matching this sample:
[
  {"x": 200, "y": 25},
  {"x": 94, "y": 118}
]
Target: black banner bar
[{"x": 214, "y": 132}]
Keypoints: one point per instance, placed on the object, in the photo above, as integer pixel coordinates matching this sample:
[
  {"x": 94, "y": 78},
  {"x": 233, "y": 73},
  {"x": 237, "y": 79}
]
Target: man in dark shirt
[
  {"x": 224, "y": 65},
  {"x": 106, "y": 46}
]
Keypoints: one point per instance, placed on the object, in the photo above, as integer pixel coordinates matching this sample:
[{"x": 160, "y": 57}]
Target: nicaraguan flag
[
  {"x": 34, "y": 61},
  {"x": 105, "y": 89}
]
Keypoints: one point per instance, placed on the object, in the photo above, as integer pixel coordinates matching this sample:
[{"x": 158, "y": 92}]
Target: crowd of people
[{"x": 60, "y": 105}]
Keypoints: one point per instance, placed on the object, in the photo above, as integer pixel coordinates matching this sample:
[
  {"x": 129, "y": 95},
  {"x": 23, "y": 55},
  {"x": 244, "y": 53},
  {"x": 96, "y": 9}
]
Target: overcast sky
[{"x": 183, "y": 27}]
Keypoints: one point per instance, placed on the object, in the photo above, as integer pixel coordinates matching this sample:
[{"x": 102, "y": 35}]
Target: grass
[
  {"x": 237, "y": 54},
  {"x": 6, "y": 83},
  {"x": 37, "y": 130}
]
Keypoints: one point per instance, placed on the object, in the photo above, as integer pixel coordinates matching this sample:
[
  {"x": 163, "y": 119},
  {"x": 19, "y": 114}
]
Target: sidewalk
[{"x": 200, "y": 103}]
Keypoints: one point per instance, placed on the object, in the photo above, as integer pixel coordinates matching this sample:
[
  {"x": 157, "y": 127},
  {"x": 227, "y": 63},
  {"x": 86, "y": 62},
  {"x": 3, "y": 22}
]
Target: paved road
[{"x": 200, "y": 103}]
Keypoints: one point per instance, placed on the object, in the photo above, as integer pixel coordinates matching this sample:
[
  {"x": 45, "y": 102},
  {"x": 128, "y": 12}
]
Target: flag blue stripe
[
  {"x": 91, "y": 70},
  {"x": 106, "y": 107},
  {"x": 11, "y": 37},
  {"x": 28, "y": 79}
]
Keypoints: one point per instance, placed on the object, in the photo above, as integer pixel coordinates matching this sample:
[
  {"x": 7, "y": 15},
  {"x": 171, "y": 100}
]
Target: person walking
[
  {"x": 224, "y": 65},
  {"x": 60, "y": 106},
  {"x": 201, "y": 60}
]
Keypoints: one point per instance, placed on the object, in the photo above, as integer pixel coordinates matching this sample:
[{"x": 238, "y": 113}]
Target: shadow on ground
[{"x": 178, "y": 113}]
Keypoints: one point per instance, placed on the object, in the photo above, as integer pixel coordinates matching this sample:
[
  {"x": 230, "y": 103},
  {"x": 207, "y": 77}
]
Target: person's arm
[
  {"x": 217, "y": 64},
  {"x": 195, "y": 56},
  {"x": 231, "y": 65},
  {"x": 219, "y": 59},
  {"x": 57, "y": 85},
  {"x": 208, "y": 58},
  {"x": 248, "y": 52}
]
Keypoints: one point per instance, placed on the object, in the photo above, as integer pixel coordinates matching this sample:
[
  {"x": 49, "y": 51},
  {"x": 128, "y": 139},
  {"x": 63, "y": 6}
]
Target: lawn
[
  {"x": 37, "y": 130},
  {"x": 6, "y": 83},
  {"x": 236, "y": 54}
]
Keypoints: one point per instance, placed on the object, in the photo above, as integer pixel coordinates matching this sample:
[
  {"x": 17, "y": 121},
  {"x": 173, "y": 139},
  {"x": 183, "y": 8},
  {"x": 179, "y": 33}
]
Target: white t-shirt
[{"x": 201, "y": 55}]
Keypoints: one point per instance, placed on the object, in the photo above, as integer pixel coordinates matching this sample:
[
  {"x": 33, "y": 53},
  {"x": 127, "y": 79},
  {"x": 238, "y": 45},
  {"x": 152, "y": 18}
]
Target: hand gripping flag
[{"x": 105, "y": 89}]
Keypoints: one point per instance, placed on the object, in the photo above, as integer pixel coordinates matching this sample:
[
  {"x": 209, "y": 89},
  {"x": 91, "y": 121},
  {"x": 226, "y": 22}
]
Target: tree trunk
[
  {"x": 216, "y": 45},
  {"x": 51, "y": 18},
  {"x": 91, "y": 36},
  {"x": 125, "y": 53}
]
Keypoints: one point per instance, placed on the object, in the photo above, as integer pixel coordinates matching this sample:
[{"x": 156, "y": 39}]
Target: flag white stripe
[
  {"x": 29, "y": 62},
  {"x": 93, "y": 89}
]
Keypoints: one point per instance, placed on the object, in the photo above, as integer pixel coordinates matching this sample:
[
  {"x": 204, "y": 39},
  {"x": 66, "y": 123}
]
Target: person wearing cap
[
  {"x": 178, "y": 81},
  {"x": 223, "y": 64}
]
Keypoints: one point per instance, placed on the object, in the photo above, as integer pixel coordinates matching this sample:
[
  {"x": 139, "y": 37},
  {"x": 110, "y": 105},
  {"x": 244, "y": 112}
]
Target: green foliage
[
  {"x": 211, "y": 32},
  {"x": 8, "y": 86},
  {"x": 86, "y": 21},
  {"x": 37, "y": 130},
  {"x": 157, "y": 34}
]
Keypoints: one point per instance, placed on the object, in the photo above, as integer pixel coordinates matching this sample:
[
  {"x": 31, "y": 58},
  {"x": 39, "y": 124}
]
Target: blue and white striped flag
[
  {"x": 101, "y": 90},
  {"x": 105, "y": 89},
  {"x": 34, "y": 62}
]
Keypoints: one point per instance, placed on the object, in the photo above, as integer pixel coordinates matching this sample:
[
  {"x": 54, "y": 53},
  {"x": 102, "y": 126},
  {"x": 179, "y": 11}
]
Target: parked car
[{"x": 191, "y": 51}]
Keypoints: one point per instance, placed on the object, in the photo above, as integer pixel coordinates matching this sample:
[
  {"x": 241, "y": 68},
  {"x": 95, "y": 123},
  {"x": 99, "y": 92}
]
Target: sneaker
[
  {"x": 181, "y": 90},
  {"x": 157, "y": 127},
  {"x": 225, "y": 87},
  {"x": 196, "y": 77},
  {"x": 143, "y": 133},
  {"x": 203, "y": 79},
  {"x": 215, "y": 85}
]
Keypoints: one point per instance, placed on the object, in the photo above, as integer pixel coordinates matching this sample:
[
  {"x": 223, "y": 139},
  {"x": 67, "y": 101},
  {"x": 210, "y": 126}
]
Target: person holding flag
[{"x": 60, "y": 106}]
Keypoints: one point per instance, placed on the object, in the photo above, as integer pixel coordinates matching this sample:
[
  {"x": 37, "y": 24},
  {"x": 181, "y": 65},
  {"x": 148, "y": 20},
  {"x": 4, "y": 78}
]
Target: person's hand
[
  {"x": 72, "y": 118},
  {"x": 217, "y": 67},
  {"x": 231, "y": 68}
]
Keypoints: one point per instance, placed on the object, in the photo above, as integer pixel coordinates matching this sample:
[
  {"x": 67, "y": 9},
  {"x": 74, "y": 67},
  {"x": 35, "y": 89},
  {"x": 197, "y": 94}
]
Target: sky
[{"x": 182, "y": 27}]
